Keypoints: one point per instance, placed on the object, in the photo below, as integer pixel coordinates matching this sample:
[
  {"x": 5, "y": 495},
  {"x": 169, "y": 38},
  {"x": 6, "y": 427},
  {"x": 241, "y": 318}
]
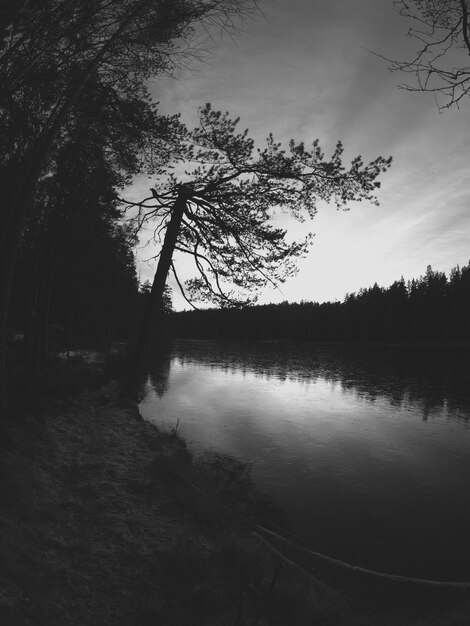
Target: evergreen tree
[
  {"x": 51, "y": 53},
  {"x": 219, "y": 210}
]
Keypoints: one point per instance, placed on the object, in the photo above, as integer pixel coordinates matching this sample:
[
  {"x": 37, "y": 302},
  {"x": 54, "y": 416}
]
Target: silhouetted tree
[
  {"x": 440, "y": 66},
  {"x": 50, "y": 53},
  {"x": 429, "y": 309},
  {"x": 160, "y": 319},
  {"x": 76, "y": 210},
  {"x": 219, "y": 210}
]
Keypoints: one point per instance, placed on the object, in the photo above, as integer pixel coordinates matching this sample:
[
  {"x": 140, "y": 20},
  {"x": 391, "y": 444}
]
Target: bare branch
[
  {"x": 227, "y": 196},
  {"x": 183, "y": 293},
  {"x": 442, "y": 32}
]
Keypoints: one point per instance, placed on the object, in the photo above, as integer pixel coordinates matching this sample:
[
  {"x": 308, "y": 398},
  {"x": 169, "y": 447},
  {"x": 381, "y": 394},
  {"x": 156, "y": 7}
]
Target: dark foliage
[
  {"x": 219, "y": 211},
  {"x": 431, "y": 309},
  {"x": 76, "y": 123}
]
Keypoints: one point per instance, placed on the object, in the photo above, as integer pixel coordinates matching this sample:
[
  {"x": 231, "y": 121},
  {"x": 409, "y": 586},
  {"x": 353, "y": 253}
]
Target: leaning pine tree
[{"x": 219, "y": 210}]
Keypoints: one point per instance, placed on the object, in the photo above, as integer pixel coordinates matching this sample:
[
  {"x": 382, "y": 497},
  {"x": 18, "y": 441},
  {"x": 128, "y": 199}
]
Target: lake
[{"x": 365, "y": 449}]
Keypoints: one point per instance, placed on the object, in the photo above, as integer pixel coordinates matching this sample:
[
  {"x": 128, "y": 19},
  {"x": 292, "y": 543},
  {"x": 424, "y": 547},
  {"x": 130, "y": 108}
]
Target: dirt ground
[{"x": 82, "y": 534}]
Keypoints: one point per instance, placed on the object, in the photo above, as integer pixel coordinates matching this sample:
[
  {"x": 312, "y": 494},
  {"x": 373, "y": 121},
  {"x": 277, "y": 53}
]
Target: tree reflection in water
[
  {"x": 433, "y": 378},
  {"x": 364, "y": 447}
]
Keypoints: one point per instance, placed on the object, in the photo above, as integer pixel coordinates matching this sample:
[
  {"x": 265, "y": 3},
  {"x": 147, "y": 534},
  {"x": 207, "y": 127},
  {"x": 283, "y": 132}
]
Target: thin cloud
[{"x": 305, "y": 73}]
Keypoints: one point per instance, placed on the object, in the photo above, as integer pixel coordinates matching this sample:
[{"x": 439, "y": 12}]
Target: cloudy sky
[{"x": 304, "y": 70}]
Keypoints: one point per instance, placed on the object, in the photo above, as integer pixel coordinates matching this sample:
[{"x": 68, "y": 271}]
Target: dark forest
[{"x": 434, "y": 308}]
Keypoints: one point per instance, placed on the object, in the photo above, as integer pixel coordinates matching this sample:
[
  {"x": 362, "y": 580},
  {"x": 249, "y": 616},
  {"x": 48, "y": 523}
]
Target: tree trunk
[{"x": 148, "y": 326}]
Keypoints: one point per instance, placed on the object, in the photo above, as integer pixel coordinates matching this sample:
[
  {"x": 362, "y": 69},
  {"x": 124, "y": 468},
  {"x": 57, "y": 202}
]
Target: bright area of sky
[{"x": 304, "y": 70}]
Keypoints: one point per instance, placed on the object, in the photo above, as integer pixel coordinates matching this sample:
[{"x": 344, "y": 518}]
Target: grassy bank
[{"x": 105, "y": 519}]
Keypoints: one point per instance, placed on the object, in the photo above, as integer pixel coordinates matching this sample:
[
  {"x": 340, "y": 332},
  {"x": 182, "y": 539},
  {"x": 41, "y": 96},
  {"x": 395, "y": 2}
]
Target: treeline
[
  {"x": 77, "y": 123},
  {"x": 435, "y": 308}
]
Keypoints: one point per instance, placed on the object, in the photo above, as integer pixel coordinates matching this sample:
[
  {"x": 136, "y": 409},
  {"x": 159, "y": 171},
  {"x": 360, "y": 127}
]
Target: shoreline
[
  {"x": 107, "y": 520},
  {"x": 323, "y": 344}
]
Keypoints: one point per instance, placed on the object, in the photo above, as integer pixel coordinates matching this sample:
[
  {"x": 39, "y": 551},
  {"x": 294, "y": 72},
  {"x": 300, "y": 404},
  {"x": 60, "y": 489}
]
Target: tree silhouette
[
  {"x": 431, "y": 309},
  {"x": 441, "y": 64},
  {"x": 51, "y": 52},
  {"x": 219, "y": 209}
]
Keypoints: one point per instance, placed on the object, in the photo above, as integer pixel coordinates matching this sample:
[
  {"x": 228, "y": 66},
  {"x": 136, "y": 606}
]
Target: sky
[{"x": 304, "y": 69}]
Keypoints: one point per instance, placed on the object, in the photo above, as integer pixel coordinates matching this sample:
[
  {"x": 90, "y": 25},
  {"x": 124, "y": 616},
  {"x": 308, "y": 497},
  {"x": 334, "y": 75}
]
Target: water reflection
[
  {"x": 366, "y": 449},
  {"x": 435, "y": 380},
  {"x": 159, "y": 373}
]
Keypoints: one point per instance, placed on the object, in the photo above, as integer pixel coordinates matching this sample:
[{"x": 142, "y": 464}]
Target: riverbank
[{"x": 107, "y": 520}]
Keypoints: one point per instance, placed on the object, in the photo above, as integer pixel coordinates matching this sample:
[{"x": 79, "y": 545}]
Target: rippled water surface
[{"x": 367, "y": 450}]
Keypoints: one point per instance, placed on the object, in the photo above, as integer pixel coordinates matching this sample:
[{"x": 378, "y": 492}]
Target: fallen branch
[
  {"x": 321, "y": 588},
  {"x": 316, "y": 558}
]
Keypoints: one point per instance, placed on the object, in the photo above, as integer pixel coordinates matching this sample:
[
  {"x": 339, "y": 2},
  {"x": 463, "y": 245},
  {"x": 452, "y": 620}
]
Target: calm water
[{"x": 367, "y": 450}]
